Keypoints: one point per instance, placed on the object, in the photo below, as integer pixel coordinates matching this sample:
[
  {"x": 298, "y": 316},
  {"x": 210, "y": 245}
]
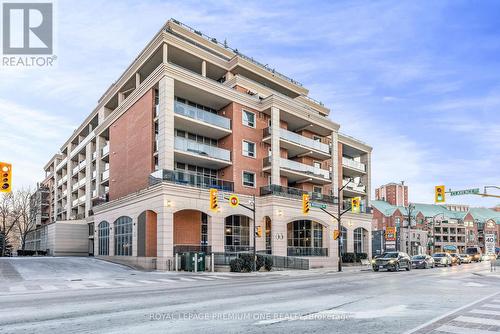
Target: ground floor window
[
  {"x": 360, "y": 246},
  {"x": 305, "y": 238},
  {"x": 237, "y": 233},
  {"x": 123, "y": 236}
]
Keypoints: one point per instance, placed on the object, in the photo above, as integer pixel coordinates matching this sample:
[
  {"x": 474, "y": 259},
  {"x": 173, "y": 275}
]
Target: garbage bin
[
  {"x": 187, "y": 261},
  {"x": 201, "y": 261}
]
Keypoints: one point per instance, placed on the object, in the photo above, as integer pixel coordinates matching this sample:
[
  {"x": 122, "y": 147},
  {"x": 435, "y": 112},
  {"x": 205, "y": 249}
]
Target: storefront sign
[{"x": 390, "y": 234}]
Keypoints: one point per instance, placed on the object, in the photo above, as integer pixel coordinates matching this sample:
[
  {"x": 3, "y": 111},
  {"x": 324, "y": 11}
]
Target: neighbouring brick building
[
  {"x": 393, "y": 193},
  {"x": 190, "y": 114}
]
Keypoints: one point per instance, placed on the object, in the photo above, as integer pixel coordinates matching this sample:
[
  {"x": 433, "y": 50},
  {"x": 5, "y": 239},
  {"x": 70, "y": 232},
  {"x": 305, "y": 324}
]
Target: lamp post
[{"x": 338, "y": 218}]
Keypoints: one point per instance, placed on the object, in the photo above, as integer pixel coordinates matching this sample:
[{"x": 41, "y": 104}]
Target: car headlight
[
  {"x": 373, "y": 261},
  {"x": 392, "y": 261}
]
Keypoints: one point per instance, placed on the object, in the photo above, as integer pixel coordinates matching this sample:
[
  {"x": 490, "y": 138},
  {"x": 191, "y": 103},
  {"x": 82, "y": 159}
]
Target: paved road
[{"x": 319, "y": 301}]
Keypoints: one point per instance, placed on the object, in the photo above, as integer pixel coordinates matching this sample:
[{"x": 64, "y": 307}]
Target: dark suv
[{"x": 392, "y": 261}]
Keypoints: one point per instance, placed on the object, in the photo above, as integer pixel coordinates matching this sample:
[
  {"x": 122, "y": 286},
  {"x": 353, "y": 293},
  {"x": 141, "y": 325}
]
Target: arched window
[
  {"x": 360, "y": 242},
  {"x": 237, "y": 233},
  {"x": 344, "y": 240},
  {"x": 103, "y": 237},
  {"x": 305, "y": 238},
  {"x": 123, "y": 236}
]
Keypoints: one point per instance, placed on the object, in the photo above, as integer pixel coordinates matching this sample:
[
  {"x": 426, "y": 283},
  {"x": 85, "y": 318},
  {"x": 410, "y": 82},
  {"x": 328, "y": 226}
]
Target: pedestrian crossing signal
[
  {"x": 306, "y": 206},
  {"x": 439, "y": 194},
  {"x": 214, "y": 201},
  {"x": 5, "y": 177}
]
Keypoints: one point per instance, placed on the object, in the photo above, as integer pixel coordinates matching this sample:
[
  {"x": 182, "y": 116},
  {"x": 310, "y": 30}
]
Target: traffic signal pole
[{"x": 254, "y": 265}]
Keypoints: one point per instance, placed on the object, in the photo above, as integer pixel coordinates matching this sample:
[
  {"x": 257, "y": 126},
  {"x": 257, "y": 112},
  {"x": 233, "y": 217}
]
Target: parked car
[
  {"x": 422, "y": 261},
  {"x": 442, "y": 259},
  {"x": 455, "y": 259},
  {"x": 392, "y": 261},
  {"x": 465, "y": 258},
  {"x": 474, "y": 252}
]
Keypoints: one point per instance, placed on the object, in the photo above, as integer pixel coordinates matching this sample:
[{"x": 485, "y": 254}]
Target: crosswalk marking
[
  {"x": 490, "y": 312},
  {"x": 202, "y": 278},
  {"x": 185, "y": 279},
  {"x": 165, "y": 280},
  {"x": 481, "y": 321},
  {"x": 219, "y": 277},
  {"x": 125, "y": 283},
  {"x": 462, "y": 330},
  {"x": 102, "y": 284}
]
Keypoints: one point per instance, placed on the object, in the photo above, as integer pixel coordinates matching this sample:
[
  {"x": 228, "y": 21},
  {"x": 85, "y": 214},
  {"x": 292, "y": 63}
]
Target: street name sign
[{"x": 464, "y": 192}]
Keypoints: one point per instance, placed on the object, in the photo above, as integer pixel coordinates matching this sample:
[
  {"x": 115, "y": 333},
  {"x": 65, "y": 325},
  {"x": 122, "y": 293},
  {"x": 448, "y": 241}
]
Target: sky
[{"x": 419, "y": 81}]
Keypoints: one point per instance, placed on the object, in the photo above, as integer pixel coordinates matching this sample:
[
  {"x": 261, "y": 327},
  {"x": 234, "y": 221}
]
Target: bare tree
[
  {"x": 28, "y": 204},
  {"x": 8, "y": 218}
]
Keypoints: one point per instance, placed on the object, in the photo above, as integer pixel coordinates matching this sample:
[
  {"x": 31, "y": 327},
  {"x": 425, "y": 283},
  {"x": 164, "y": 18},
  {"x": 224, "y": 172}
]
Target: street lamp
[{"x": 340, "y": 213}]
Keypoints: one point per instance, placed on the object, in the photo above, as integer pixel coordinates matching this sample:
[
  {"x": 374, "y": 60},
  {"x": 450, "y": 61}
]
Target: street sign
[
  {"x": 489, "y": 243},
  {"x": 234, "y": 201},
  {"x": 318, "y": 205},
  {"x": 474, "y": 191}
]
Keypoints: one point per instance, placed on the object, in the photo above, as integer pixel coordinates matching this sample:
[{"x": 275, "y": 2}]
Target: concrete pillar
[
  {"x": 216, "y": 229},
  {"x": 229, "y": 76},
  {"x": 135, "y": 225},
  {"x": 137, "y": 80},
  {"x": 69, "y": 168},
  {"x": 111, "y": 238},
  {"x": 165, "y": 53},
  {"x": 366, "y": 159},
  {"x": 275, "y": 146},
  {"x": 121, "y": 97},
  {"x": 88, "y": 178},
  {"x": 99, "y": 166},
  {"x": 204, "y": 68},
  {"x": 279, "y": 234},
  {"x": 166, "y": 124},
  {"x": 165, "y": 238},
  {"x": 350, "y": 237},
  {"x": 335, "y": 162}
]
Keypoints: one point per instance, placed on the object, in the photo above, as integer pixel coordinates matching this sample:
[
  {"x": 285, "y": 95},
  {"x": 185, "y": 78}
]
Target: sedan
[
  {"x": 392, "y": 261},
  {"x": 422, "y": 261},
  {"x": 465, "y": 258},
  {"x": 455, "y": 259},
  {"x": 442, "y": 259}
]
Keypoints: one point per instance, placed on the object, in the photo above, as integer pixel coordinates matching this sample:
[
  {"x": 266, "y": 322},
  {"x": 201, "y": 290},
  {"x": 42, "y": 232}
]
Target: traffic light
[
  {"x": 306, "y": 206},
  {"x": 6, "y": 177},
  {"x": 439, "y": 194},
  {"x": 336, "y": 234},
  {"x": 258, "y": 231},
  {"x": 214, "y": 201},
  {"x": 355, "y": 204}
]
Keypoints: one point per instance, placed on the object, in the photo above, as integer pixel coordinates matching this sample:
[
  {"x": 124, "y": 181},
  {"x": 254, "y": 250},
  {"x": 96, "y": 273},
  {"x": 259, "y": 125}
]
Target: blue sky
[{"x": 419, "y": 81}]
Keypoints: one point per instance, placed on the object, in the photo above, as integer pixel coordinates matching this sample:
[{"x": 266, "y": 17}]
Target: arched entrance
[
  {"x": 191, "y": 231},
  {"x": 123, "y": 236},
  {"x": 103, "y": 238},
  {"x": 360, "y": 240},
  {"x": 147, "y": 234},
  {"x": 237, "y": 233},
  {"x": 306, "y": 238}
]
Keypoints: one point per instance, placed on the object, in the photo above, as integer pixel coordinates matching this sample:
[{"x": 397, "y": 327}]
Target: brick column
[
  {"x": 275, "y": 146},
  {"x": 166, "y": 124}
]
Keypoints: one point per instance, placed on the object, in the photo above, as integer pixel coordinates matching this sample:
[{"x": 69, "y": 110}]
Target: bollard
[
  {"x": 176, "y": 262},
  {"x": 195, "y": 262},
  {"x": 212, "y": 262}
]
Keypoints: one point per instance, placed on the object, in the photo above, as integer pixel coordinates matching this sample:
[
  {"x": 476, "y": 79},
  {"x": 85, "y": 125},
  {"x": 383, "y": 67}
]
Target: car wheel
[
  {"x": 375, "y": 269},
  {"x": 426, "y": 266},
  {"x": 396, "y": 268},
  {"x": 408, "y": 267}
]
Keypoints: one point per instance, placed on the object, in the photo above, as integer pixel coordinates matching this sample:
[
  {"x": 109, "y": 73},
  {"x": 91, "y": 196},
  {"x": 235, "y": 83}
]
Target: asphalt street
[{"x": 83, "y": 295}]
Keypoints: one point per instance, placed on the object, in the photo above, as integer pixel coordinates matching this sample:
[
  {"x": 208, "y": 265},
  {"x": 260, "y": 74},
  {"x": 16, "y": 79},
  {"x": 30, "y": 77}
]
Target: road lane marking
[
  {"x": 485, "y": 312},
  {"x": 202, "y": 278},
  {"x": 481, "y": 321},
  {"x": 166, "y": 280},
  {"x": 186, "y": 279},
  {"x": 219, "y": 277},
  {"x": 462, "y": 330},
  {"x": 491, "y": 305}
]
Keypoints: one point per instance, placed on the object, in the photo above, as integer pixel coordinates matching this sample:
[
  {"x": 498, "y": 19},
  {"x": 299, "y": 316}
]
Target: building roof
[{"x": 431, "y": 210}]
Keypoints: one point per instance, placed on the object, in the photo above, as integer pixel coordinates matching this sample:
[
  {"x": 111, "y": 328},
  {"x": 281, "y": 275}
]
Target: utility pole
[{"x": 411, "y": 207}]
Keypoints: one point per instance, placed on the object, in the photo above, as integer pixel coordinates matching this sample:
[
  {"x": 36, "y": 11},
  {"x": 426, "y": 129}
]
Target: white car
[{"x": 442, "y": 259}]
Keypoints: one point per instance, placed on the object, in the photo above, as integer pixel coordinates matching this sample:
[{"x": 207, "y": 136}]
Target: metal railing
[
  {"x": 274, "y": 189},
  {"x": 279, "y": 262},
  {"x": 353, "y": 164},
  {"x": 303, "y": 168},
  {"x": 237, "y": 249},
  {"x": 299, "y": 140},
  {"x": 192, "y": 146},
  {"x": 189, "y": 179},
  {"x": 192, "y": 248},
  {"x": 307, "y": 251},
  {"x": 201, "y": 115}
]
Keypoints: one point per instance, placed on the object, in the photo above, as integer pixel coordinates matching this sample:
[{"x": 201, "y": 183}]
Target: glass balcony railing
[
  {"x": 183, "y": 144},
  {"x": 105, "y": 175},
  {"x": 353, "y": 164},
  {"x": 190, "y": 179},
  {"x": 277, "y": 190},
  {"x": 303, "y": 168},
  {"x": 300, "y": 140},
  {"x": 105, "y": 150},
  {"x": 202, "y": 115},
  {"x": 353, "y": 186}
]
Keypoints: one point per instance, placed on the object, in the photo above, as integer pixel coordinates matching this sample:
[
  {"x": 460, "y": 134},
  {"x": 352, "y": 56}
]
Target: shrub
[
  {"x": 236, "y": 265},
  {"x": 247, "y": 259},
  {"x": 361, "y": 256},
  {"x": 268, "y": 263},
  {"x": 260, "y": 262},
  {"x": 348, "y": 257}
]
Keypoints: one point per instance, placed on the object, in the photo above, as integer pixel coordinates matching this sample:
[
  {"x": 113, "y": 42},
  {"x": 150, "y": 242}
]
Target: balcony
[
  {"x": 299, "y": 172},
  {"x": 105, "y": 175},
  {"x": 105, "y": 150},
  {"x": 82, "y": 144},
  {"x": 189, "y": 179},
  {"x": 81, "y": 165},
  {"x": 352, "y": 167},
  {"x": 299, "y": 145},
  {"x": 352, "y": 189},
  {"x": 62, "y": 163},
  {"x": 294, "y": 193},
  {"x": 199, "y": 154},
  {"x": 61, "y": 181},
  {"x": 201, "y": 122}
]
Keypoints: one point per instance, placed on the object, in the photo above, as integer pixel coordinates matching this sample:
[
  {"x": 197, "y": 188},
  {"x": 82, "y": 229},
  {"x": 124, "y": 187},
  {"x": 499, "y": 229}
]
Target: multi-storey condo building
[
  {"x": 393, "y": 193},
  {"x": 190, "y": 114}
]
